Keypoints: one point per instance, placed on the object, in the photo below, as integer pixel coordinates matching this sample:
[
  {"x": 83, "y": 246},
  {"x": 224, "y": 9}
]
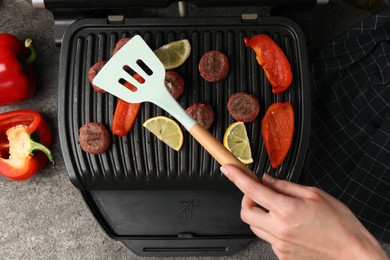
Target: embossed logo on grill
[{"x": 186, "y": 209}]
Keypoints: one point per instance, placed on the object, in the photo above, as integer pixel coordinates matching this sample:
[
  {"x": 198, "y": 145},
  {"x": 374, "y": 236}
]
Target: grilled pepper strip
[
  {"x": 124, "y": 117},
  {"x": 18, "y": 160},
  {"x": 17, "y": 75},
  {"x": 277, "y": 130},
  {"x": 126, "y": 113},
  {"x": 273, "y": 60}
]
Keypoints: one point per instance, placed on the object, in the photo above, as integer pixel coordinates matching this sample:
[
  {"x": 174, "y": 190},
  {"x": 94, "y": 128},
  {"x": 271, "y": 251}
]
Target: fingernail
[
  {"x": 267, "y": 178},
  {"x": 224, "y": 170}
]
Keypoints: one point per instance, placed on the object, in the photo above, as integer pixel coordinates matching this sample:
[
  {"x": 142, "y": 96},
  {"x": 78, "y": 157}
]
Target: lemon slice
[
  {"x": 174, "y": 54},
  {"x": 167, "y": 130},
  {"x": 236, "y": 141}
]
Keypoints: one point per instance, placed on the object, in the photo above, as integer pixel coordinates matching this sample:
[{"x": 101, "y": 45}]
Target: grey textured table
[{"x": 45, "y": 217}]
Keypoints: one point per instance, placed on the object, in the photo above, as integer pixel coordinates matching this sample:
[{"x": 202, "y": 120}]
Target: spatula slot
[
  {"x": 128, "y": 85},
  {"x": 129, "y": 70},
  {"x": 145, "y": 67}
]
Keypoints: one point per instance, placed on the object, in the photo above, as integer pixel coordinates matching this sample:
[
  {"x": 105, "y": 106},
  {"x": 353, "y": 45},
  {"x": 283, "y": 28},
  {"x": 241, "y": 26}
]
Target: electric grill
[{"x": 157, "y": 201}]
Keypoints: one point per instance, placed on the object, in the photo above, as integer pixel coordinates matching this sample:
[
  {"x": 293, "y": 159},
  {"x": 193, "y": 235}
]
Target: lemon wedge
[
  {"x": 237, "y": 142},
  {"x": 167, "y": 130},
  {"x": 174, "y": 54}
]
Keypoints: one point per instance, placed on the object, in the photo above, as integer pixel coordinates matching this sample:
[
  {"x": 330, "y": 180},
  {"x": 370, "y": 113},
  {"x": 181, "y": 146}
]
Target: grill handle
[
  {"x": 115, "y": 4},
  {"x": 197, "y": 246}
]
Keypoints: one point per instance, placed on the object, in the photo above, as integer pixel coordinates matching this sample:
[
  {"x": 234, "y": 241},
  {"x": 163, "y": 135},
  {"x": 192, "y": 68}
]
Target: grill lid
[{"x": 66, "y": 12}]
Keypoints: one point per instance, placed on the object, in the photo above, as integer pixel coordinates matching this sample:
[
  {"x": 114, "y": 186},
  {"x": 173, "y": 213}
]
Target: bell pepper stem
[
  {"x": 28, "y": 43},
  {"x": 35, "y": 146}
]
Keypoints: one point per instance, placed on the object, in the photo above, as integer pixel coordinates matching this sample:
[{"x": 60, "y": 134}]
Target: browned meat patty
[
  {"x": 93, "y": 71},
  {"x": 94, "y": 138},
  {"x": 119, "y": 44},
  {"x": 243, "y": 107},
  {"x": 202, "y": 113},
  {"x": 174, "y": 83},
  {"x": 214, "y": 66}
]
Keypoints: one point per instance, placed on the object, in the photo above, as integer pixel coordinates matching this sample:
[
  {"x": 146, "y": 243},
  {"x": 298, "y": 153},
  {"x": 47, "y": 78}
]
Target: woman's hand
[{"x": 302, "y": 222}]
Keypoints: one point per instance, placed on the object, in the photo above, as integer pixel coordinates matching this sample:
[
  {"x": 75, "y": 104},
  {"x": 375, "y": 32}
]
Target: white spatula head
[
  {"x": 136, "y": 56},
  {"x": 134, "y": 53}
]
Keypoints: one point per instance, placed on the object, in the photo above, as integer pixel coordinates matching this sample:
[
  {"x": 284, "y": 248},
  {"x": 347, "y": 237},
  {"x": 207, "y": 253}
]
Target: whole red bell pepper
[
  {"x": 24, "y": 137},
  {"x": 17, "y": 75},
  {"x": 273, "y": 60}
]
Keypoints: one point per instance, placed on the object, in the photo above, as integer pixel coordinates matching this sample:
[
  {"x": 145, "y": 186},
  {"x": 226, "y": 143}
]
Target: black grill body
[{"x": 156, "y": 200}]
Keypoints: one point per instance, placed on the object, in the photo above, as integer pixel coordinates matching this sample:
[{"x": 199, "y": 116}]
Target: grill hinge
[
  {"x": 253, "y": 15},
  {"x": 249, "y": 17},
  {"x": 116, "y": 19},
  {"x": 61, "y": 24}
]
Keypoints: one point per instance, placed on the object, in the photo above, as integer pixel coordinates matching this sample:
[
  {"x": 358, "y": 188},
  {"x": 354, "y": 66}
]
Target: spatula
[{"x": 138, "y": 56}]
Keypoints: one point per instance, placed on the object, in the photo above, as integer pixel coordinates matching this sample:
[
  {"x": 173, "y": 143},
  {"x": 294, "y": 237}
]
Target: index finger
[{"x": 259, "y": 193}]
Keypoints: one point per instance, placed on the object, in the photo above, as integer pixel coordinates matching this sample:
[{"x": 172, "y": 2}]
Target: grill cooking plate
[{"x": 138, "y": 160}]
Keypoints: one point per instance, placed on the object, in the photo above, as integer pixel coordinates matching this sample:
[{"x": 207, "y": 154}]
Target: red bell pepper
[
  {"x": 277, "y": 130},
  {"x": 273, "y": 60},
  {"x": 21, "y": 156},
  {"x": 126, "y": 113},
  {"x": 17, "y": 75}
]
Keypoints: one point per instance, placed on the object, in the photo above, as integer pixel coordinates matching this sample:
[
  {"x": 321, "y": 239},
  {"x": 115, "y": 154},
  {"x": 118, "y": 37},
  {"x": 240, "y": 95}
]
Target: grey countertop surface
[{"x": 46, "y": 217}]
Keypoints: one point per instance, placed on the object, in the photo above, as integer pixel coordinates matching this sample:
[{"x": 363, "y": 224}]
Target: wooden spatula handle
[{"x": 217, "y": 150}]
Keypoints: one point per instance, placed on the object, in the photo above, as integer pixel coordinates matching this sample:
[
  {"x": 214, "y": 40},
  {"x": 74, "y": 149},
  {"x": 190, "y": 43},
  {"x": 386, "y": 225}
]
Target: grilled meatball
[
  {"x": 119, "y": 44},
  {"x": 243, "y": 107},
  {"x": 93, "y": 71},
  {"x": 174, "y": 83},
  {"x": 214, "y": 66},
  {"x": 94, "y": 138},
  {"x": 202, "y": 113}
]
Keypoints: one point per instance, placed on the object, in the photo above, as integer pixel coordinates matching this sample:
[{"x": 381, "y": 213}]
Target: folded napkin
[{"x": 349, "y": 148}]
